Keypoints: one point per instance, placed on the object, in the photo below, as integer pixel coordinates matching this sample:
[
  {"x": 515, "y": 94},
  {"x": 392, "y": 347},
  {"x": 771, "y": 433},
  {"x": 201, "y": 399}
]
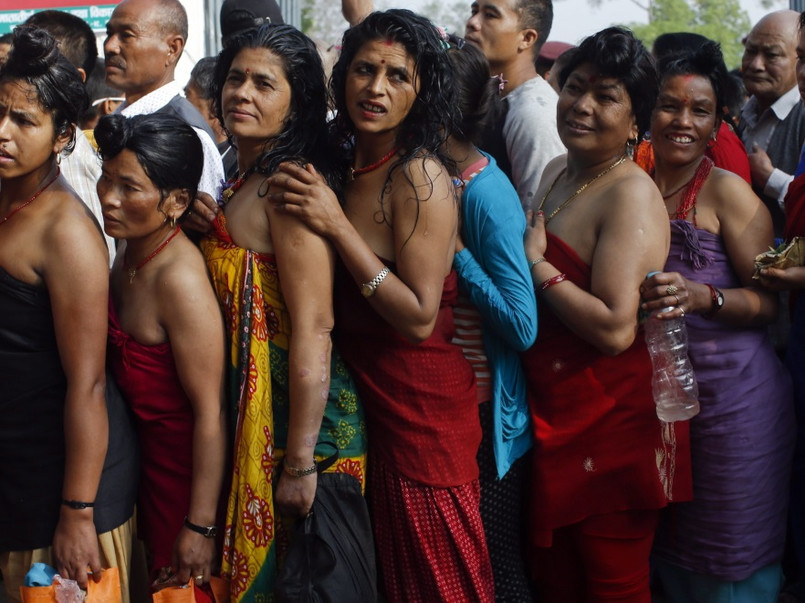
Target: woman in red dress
[
  {"x": 603, "y": 463},
  {"x": 166, "y": 339},
  {"x": 395, "y": 288}
]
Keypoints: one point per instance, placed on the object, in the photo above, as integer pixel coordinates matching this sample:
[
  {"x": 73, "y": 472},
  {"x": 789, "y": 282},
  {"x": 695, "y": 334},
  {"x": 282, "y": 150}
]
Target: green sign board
[{"x": 96, "y": 15}]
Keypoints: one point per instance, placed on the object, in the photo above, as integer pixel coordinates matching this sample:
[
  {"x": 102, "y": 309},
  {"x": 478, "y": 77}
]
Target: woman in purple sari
[{"x": 728, "y": 541}]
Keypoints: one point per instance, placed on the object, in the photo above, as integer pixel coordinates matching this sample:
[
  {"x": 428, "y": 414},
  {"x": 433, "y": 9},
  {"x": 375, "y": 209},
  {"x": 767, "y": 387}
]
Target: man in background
[
  {"x": 144, "y": 40},
  {"x": 772, "y": 124},
  {"x": 510, "y": 33}
]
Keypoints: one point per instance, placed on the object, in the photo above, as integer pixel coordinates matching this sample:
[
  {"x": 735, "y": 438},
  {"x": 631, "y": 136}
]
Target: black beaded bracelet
[{"x": 77, "y": 504}]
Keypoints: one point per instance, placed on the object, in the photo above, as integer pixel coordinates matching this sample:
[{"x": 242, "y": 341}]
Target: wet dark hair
[
  {"x": 477, "y": 93},
  {"x": 167, "y": 148},
  {"x": 75, "y": 37},
  {"x": 202, "y": 76},
  {"x": 538, "y": 15},
  {"x": 615, "y": 52},
  {"x": 434, "y": 112},
  {"x": 36, "y": 60},
  {"x": 304, "y": 134},
  {"x": 705, "y": 61}
]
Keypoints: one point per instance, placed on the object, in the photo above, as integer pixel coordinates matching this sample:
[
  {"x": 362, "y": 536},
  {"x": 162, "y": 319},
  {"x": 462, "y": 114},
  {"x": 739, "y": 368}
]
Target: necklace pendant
[{"x": 132, "y": 274}]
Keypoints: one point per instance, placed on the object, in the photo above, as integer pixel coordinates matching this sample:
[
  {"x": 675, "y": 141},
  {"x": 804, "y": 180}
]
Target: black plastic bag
[{"x": 331, "y": 558}]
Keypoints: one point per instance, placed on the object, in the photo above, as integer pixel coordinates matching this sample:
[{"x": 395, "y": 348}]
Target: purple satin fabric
[{"x": 741, "y": 442}]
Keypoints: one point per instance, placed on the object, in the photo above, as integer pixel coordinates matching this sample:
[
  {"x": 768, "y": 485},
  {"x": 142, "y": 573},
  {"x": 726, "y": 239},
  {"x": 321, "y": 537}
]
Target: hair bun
[{"x": 33, "y": 49}]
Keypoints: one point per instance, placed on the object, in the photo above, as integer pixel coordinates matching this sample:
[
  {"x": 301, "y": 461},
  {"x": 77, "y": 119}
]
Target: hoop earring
[
  {"x": 173, "y": 221},
  {"x": 58, "y": 158}
]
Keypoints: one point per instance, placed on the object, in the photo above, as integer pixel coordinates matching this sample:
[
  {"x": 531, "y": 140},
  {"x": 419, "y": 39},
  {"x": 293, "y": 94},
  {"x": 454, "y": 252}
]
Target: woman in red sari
[{"x": 603, "y": 463}]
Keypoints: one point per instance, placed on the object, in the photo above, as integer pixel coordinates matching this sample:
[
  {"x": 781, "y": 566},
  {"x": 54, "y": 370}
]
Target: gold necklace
[{"x": 578, "y": 191}]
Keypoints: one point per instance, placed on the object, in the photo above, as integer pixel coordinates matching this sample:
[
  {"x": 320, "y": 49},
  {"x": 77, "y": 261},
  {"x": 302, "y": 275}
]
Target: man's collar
[
  {"x": 152, "y": 101},
  {"x": 781, "y": 107}
]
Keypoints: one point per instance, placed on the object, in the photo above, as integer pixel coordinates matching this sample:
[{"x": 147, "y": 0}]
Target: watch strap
[
  {"x": 716, "y": 301},
  {"x": 206, "y": 531}
]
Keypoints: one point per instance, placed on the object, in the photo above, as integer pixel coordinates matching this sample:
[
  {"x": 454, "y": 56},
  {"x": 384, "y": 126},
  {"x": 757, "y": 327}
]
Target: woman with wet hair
[
  {"x": 61, "y": 503},
  {"x": 166, "y": 339},
  {"x": 727, "y": 543},
  {"x": 395, "y": 237},
  {"x": 603, "y": 464},
  {"x": 291, "y": 397}
]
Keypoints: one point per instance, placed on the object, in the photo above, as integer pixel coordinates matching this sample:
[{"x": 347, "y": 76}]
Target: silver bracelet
[
  {"x": 368, "y": 289},
  {"x": 533, "y": 263},
  {"x": 294, "y": 472}
]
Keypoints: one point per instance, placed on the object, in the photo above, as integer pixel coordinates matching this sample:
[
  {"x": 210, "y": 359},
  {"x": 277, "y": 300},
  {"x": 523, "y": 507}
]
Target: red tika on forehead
[{"x": 388, "y": 42}]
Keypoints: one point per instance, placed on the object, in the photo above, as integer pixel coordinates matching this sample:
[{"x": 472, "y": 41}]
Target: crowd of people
[{"x": 427, "y": 273}]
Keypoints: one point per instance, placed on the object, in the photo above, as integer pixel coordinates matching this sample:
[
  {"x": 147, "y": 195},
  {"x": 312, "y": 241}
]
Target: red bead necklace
[
  {"x": 692, "y": 189},
  {"x": 132, "y": 272},
  {"x": 31, "y": 200},
  {"x": 369, "y": 168}
]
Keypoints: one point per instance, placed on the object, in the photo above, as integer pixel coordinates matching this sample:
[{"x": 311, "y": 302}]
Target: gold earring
[{"x": 173, "y": 221}]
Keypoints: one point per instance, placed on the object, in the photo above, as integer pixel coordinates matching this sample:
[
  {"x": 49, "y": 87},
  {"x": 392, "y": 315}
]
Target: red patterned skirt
[{"x": 430, "y": 541}]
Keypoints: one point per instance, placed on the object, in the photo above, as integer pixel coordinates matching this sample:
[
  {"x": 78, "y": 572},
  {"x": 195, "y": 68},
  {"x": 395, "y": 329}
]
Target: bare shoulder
[
  {"x": 633, "y": 192},
  {"x": 71, "y": 225},
  {"x": 423, "y": 178},
  {"x": 729, "y": 193},
  {"x": 184, "y": 278}
]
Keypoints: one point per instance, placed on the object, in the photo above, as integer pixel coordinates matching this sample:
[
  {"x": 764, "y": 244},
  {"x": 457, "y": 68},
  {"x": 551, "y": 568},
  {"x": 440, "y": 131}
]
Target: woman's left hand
[
  {"x": 294, "y": 495},
  {"x": 536, "y": 241},
  {"x": 193, "y": 556},
  {"x": 303, "y": 193},
  {"x": 667, "y": 289}
]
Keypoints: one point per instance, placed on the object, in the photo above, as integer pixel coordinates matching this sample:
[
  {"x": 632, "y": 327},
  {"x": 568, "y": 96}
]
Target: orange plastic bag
[
  {"x": 187, "y": 593},
  {"x": 107, "y": 590}
]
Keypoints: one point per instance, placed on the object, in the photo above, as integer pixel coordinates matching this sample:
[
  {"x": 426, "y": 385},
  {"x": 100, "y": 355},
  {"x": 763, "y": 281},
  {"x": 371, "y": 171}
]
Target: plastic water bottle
[{"x": 673, "y": 382}]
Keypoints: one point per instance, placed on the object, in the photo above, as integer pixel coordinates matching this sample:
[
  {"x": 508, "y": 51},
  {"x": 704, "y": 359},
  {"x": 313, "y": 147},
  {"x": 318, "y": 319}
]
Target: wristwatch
[
  {"x": 717, "y": 301},
  {"x": 206, "y": 531},
  {"x": 368, "y": 289}
]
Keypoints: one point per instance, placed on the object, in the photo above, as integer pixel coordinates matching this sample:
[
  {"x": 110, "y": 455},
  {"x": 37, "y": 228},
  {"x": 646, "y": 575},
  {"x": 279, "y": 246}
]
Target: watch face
[
  {"x": 367, "y": 290},
  {"x": 719, "y": 299}
]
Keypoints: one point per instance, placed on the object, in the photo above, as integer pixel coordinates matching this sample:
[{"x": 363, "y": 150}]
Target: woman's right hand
[
  {"x": 536, "y": 241},
  {"x": 303, "y": 193}
]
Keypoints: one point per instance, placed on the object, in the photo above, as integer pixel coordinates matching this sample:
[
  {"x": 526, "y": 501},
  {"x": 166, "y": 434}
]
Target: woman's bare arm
[
  {"x": 76, "y": 272},
  {"x": 632, "y": 240},
  {"x": 305, "y": 262},
  {"x": 423, "y": 239},
  {"x": 190, "y": 315}
]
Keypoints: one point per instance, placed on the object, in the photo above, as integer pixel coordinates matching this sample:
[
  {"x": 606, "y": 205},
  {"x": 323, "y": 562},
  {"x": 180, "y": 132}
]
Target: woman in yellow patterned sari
[{"x": 291, "y": 398}]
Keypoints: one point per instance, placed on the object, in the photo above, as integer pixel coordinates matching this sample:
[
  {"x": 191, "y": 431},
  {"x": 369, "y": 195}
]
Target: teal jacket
[{"x": 493, "y": 272}]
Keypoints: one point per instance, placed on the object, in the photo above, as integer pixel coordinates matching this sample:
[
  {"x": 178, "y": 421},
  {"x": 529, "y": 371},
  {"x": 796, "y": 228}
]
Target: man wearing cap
[
  {"x": 144, "y": 40},
  {"x": 510, "y": 33}
]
